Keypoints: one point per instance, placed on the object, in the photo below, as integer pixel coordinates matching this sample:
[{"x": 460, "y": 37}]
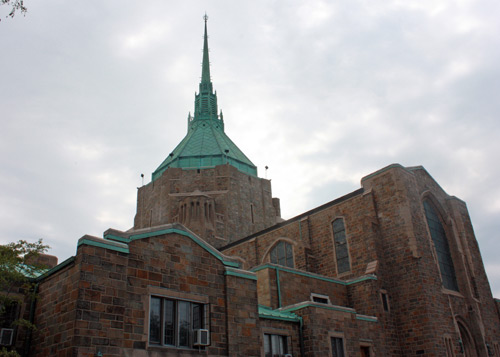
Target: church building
[{"x": 210, "y": 268}]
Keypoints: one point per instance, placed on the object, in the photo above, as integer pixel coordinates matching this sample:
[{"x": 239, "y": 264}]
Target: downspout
[
  {"x": 278, "y": 286},
  {"x": 27, "y": 345},
  {"x": 301, "y": 337}
]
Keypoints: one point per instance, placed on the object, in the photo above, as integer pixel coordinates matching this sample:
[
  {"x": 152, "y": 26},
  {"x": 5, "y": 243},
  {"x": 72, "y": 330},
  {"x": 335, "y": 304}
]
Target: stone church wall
[
  {"x": 101, "y": 303},
  {"x": 219, "y": 204}
]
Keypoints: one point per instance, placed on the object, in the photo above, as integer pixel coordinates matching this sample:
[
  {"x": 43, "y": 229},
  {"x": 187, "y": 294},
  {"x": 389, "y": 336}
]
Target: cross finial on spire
[{"x": 205, "y": 73}]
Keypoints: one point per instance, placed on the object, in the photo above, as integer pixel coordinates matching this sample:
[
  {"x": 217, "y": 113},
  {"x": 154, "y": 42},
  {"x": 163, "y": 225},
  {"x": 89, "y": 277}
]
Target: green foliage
[
  {"x": 16, "y": 6},
  {"x": 18, "y": 267},
  {"x": 5, "y": 353}
]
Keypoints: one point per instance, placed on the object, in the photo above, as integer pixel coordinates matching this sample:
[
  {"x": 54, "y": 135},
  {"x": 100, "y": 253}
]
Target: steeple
[
  {"x": 205, "y": 72},
  {"x": 206, "y": 145},
  {"x": 205, "y": 104}
]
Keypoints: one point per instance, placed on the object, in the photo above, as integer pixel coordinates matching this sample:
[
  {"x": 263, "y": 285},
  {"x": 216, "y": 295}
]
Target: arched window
[
  {"x": 438, "y": 236},
  {"x": 341, "y": 249},
  {"x": 282, "y": 254}
]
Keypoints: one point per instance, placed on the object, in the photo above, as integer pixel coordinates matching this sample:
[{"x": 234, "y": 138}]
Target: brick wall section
[
  {"x": 364, "y": 297},
  {"x": 412, "y": 282},
  {"x": 55, "y": 316},
  {"x": 476, "y": 304},
  {"x": 320, "y": 324},
  {"x": 312, "y": 239},
  {"x": 231, "y": 191},
  {"x": 110, "y": 299},
  {"x": 243, "y": 317},
  {"x": 295, "y": 288}
]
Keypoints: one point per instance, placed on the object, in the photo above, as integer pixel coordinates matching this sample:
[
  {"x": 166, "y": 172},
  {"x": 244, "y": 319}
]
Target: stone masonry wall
[
  {"x": 408, "y": 274},
  {"x": 475, "y": 303},
  {"x": 320, "y": 324},
  {"x": 243, "y": 317},
  {"x": 110, "y": 299},
  {"x": 283, "y": 328},
  {"x": 312, "y": 239},
  {"x": 243, "y": 204},
  {"x": 295, "y": 288},
  {"x": 55, "y": 314}
]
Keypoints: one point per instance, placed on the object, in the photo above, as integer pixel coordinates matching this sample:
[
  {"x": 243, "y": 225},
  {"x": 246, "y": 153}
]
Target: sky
[{"x": 93, "y": 94}]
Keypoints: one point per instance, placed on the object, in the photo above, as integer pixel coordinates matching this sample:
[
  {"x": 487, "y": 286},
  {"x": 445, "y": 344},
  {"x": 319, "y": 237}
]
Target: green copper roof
[{"x": 206, "y": 144}]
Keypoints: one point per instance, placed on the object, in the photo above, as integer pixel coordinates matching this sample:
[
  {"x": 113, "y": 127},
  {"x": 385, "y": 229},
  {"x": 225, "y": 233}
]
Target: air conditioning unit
[
  {"x": 201, "y": 337},
  {"x": 6, "y": 336}
]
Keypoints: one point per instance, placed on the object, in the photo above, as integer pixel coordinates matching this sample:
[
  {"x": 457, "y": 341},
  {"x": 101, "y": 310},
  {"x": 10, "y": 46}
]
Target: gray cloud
[{"x": 95, "y": 94}]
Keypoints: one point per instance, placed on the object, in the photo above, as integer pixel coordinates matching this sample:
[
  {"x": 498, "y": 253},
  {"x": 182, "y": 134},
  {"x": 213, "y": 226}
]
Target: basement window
[{"x": 322, "y": 299}]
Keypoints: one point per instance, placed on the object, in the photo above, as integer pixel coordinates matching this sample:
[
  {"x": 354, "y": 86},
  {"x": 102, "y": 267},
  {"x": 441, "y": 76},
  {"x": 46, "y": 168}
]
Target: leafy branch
[{"x": 16, "y": 6}]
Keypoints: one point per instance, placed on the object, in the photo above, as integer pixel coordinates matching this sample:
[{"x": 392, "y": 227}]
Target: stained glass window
[
  {"x": 438, "y": 235},
  {"x": 282, "y": 254},
  {"x": 341, "y": 249}
]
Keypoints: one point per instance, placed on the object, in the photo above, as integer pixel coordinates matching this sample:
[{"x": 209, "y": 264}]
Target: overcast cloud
[{"x": 95, "y": 93}]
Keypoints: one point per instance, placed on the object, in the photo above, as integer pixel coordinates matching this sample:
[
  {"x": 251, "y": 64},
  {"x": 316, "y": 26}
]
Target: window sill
[
  {"x": 452, "y": 292},
  {"x": 179, "y": 350}
]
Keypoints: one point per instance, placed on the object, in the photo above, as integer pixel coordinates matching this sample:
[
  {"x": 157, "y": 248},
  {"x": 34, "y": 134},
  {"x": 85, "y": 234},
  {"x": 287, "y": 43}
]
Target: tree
[
  {"x": 16, "y": 5},
  {"x": 19, "y": 265}
]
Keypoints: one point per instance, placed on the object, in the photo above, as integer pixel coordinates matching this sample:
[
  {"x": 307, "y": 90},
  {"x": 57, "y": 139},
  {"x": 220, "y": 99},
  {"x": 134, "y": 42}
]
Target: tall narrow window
[
  {"x": 440, "y": 241},
  {"x": 449, "y": 346},
  {"x": 337, "y": 347},
  {"x": 341, "y": 249},
  {"x": 282, "y": 254}
]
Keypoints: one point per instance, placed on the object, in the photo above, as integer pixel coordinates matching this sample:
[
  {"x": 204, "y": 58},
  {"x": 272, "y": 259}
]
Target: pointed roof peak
[
  {"x": 206, "y": 145},
  {"x": 205, "y": 72}
]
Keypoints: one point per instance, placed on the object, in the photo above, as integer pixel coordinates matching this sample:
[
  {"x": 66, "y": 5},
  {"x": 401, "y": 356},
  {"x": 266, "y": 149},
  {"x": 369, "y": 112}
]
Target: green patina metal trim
[
  {"x": 310, "y": 275},
  {"x": 116, "y": 238},
  {"x": 330, "y": 307},
  {"x": 278, "y": 286},
  {"x": 189, "y": 235},
  {"x": 359, "y": 280},
  {"x": 267, "y": 313},
  {"x": 240, "y": 275},
  {"x": 55, "y": 269},
  {"x": 366, "y": 318},
  {"x": 321, "y": 306},
  {"x": 302, "y": 273},
  {"x": 103, "y": 244}
]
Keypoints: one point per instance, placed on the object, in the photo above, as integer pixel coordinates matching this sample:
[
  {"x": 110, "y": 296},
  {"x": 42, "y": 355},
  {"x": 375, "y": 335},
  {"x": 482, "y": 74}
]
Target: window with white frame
[
  {"x": 275, "y": 345},
  {"x": 175, "y": 322}
]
